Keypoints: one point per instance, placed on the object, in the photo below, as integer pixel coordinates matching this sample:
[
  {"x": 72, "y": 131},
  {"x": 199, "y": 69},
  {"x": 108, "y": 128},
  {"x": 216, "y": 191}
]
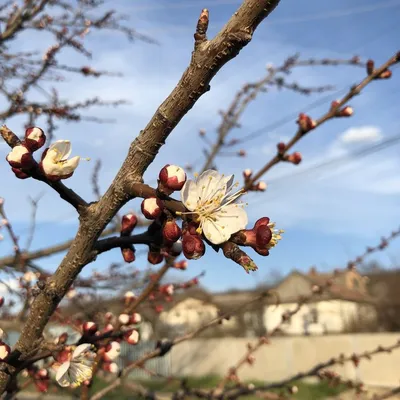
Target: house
[
  {"x": 342, "y": 307},
  {"x": 384, "y": 287}
]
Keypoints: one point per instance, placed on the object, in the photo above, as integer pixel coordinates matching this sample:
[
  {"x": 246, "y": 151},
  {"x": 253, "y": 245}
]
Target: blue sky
[{"x": 329, "y": 215}]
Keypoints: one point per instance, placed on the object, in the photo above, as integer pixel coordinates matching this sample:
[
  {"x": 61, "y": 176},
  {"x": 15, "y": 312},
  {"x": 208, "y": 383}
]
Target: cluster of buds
[
  {"x": 305, "y": 123},
  {"x": 346, "y": 111},
  {"x": 40, "y": 377},
  {"x": 294, "y": 158},
  {"x": 89, "y": 328},
  {"x": 385, "y": 74},
  {"x": 54, "y": 165},
  {"x": 126, "y": 319},
  {"x": 256, "y": 187},
  {"x": 261, "y": 238},
  {"x": 192, "y": 244},
  {"x": 128, "y": 224}
]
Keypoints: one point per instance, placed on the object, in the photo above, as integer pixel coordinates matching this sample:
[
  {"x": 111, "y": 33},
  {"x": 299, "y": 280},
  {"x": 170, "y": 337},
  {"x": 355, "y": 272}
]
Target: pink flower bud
[
  {"x": 111, "y": 367},
  {"x": 335, "y": 104},
  {"x": 89, "y": 328},
  {"x": 129, "y": 297},
  {"x": 108, "y": 328},
  {"x": 193, "y": 246},
  {"x": 20, "y": 157},
  {"x": 1, "y": 301},
  {"x": 154, "y": 257},
  {"x": 167, "y": 289},
  {"x": 171, "y": 231},
  {"x": 295, "y": 158},
  {"x": 34, "y": 138},
  {"x": 19, "y": 173},
  {"x": 128, "y": 224},
  {"x": 151, "y": 208},
  {"x": 247, "y": 173},
  {"x": 5, "y": 350},
  {"x": 128, "y": 253},
  {"x": 261, "y": 186},
  {"x": 305, "y": 123},
  {"x": 182, "y": 265},
  {"x": 158, "y": 308},
  {"x": 346, "y": 112},
  {"x": 241, "y": 153},
  {"x": 135, "y": 318},
  {"x": 132, "y": 337},
  {"x": 124, "y": 319},
  {"x": 172, "y": 177},
  {"x": 386, "y": 74},
  {"x": 43, "y": 373}
]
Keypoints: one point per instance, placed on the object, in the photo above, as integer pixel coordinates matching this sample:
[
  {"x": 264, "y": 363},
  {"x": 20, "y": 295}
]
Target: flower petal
[
  {"x": 63, "y": 148},
  {"x": 62, "y": 376},
  {"x": 189, "y": 195},
  {"x": 82, "y": 348},
  {"x": 229, "y": 220},
  {"x": 210, "y": 184},
  {"x": 79, "y": 373}
]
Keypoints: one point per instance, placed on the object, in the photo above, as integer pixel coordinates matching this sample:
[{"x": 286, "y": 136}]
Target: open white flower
[
  {"x": 211, "y": 200},
  {"x": 78, "y": 369},
  {"x": 55, "y": 163}
]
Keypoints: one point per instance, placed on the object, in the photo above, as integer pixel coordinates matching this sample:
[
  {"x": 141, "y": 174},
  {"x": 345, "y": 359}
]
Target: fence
[{"x": 285, "y": 357}]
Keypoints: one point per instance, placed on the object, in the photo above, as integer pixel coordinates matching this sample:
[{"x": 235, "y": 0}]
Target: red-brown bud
[
  {"x": 247, "y": 173},
  {"x": 128, "y": 224},
  {"x": 129, "y": 297},
  {"x": 181, "y": 265},
  {"x": 346, "y": 112},
  {"x": 370, "y": 67},
  {"x": 135, "y": 318},
  {"x": 152, "y": 207},
  {"x": 159, "y": 308},
  {"x": 193, "y": 246},
  {"x": 281, "y": 147},
  {"x": 241, "y": 153},
  {"x": 171, "y": 231},
  {"x": 1, "y": 301},
  {"x": 172, "y": 178},
  {"x": 128, "y": 253},
  {"x": 89, "y": 328},
  {"x": 34, "y": 138},
  {"x": 154, "y": 257},
  {"x": 294, "y": 158},
  {"x": 386, "y": 74},
  {"x": 19, "y": 173}
]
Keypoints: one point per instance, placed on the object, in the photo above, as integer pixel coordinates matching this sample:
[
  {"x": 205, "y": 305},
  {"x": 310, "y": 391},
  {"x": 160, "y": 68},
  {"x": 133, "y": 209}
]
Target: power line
[{"x": 338, "y": 161}]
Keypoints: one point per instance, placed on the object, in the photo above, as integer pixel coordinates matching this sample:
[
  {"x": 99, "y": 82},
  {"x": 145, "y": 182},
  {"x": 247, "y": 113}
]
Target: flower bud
[
  {"x": 124, "y": 319},
  {"x": 128, "y": 224},
  {"x": 241, "y": 153},
  {"x": 247, "y": 173},
  {"x": 171, "y": 231},
  {"x": 261, "y": 186},
  {"x": 108, "y": 328},
  {"x": 132, "y": 337},
  {"x": 128, "y": 253},
  {"x": 386, "y": 74},
  {"x": 294, "y": 158},
  {"x": 346, "y": 112},
  {"x": 5, "y": 350},
  {"x": 43, "y": 373},
  {"x": 370, "y": 67},
  {"x": 167, "y": 289},
  {"x": 182, "y": 265},
  {"x": 19, "y": 173},
  {"x": 151, "y": 207},
  {"x": 111, "y": 367},
  {"x": 281, "y": 147},
  {"x": 89, "y": 328},
  {"x": 305, "y": 123},
  {"x": 129, "y": 297},
  {"x": 112, "y": 352},
  {"x": 1, "y": 301},
  {"x": 34, "y": 138},
  {"x": 158, "y": 308},
  {"x": 172, "y": 178},
  {"x": 154, "y": 257},
  {"x": 20, "y": 157},
  {"x": 193, "y": 246},
  {"x": 135, "y": 318}
]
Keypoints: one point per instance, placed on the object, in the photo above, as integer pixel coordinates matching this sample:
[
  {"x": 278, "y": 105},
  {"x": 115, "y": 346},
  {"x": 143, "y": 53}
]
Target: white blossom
[
  {"x": 210, "y": 199},
  {"x": 56, "y": 163},
  {"x": 78, "y": 369}
]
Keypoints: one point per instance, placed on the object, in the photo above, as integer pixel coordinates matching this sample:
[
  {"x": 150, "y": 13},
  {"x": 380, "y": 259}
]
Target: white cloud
[{"x": 362, "y": 134}]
